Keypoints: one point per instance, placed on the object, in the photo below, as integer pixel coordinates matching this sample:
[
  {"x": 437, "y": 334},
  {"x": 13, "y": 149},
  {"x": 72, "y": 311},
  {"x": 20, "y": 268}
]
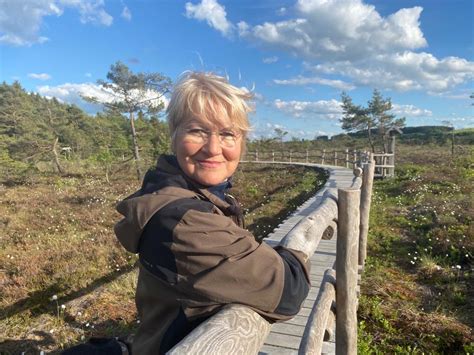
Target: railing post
[
  {"x": 335, "y": 157},
  {"x": 392, "y": 158},
  {"x": 354, "y": 159},
  {"x": 256, "y": 155},
  {"x": 307, "y": 155},
  {"x": 384, "y": 170},
  {"x": 273, "y": 155},
  {"x": 346, "y": 271},
  {"x": 347, "y": 158},
  {"x": 290, "y": 156},
  {"x": 365, "y": 202},
  {"x": 323, "y": 156}
]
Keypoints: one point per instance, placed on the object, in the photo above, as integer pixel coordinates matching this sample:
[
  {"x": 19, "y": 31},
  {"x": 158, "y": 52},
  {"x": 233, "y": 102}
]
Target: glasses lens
[{"x": 227, "y": 137}]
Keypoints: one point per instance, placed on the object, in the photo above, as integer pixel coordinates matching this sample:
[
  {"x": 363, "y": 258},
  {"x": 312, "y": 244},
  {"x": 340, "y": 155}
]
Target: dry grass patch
[{"x": 64, "y": 276}]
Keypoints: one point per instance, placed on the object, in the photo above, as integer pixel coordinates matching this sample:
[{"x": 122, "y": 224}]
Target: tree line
[{"x": 35, "y": 129}]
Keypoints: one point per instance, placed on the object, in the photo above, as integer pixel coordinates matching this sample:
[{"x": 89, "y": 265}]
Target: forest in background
[{"x": 45, "y": 135}]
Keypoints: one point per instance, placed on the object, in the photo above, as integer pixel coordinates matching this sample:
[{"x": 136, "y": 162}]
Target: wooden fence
[
  {"x": 237, "y": 329},
  {"x": 384, "y": 162}
]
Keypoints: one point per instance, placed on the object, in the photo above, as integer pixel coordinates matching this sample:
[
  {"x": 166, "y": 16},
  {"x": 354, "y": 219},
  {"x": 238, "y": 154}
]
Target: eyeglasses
[{"x": 198, "y": 135}]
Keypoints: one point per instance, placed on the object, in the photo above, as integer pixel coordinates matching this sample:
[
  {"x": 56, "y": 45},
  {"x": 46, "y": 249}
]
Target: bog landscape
[{"x": 65, "y": 278}]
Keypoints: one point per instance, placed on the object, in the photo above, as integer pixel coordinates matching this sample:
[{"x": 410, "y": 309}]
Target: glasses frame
[{"x": 202, "y": 135}]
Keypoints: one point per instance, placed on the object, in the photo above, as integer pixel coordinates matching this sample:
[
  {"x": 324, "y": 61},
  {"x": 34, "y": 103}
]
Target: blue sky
[{"x": 297, "y": 56}]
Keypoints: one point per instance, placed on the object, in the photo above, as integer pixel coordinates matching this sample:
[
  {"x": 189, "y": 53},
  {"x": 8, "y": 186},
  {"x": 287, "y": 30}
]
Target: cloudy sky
[{"x": 297, "y": 56}]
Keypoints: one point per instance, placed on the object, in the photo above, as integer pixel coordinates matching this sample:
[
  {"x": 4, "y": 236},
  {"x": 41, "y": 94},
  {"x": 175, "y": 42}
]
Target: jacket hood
[{"x": 161, "y": 186}]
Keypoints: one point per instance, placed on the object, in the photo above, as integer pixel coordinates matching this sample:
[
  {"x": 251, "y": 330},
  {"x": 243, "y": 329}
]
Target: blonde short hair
[{"x": 208, "y": 97}]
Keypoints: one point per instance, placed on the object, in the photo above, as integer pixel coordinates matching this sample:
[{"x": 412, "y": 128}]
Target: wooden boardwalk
[{"x": 285, "y": 337}]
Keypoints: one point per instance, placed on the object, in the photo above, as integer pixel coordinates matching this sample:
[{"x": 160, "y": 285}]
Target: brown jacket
[{"x": 195, "y": 257}]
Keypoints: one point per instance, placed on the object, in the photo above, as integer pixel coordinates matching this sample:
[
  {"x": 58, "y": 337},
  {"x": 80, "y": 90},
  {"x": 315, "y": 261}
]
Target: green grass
[{"x": 416, "y": 291}]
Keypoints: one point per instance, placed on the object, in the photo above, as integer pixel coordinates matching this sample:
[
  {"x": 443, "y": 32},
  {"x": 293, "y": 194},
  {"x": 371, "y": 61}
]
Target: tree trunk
[
  {"x": 136, "y": 154},
  {"x": 369, "y": 131},
  {"x": 56, "y": 156}
]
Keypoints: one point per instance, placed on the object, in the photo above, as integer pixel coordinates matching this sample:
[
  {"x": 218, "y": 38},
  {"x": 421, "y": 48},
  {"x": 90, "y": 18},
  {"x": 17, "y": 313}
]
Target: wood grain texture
[
  {"x": 305, "y": 236},
  {"x": 313, "y": 336},
  {"x": 365, "y": 202},
  {"x": 347, "y": 270},
  {"x": 235, "y": 329}
]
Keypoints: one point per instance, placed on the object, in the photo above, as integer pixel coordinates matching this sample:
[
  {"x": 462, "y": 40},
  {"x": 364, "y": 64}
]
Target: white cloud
[
  {"x": 300, "y": 80},
  {"x": 91, "y": 11},
  {"x": 126, "y": 14},
  {"x": 72, "y": 94},
  {"x": 21, "y": 20},
  {"x": 323, "y": 109},
  {"x": 211, "y": 12},
  {"x": 270, "y": 60},
  {"x": 404, "y": 71},
  {"x": 350, "y": 38},
  {"x": 281, "y": 11},
  {"x": 341, "y": 30},
  {"x": 41, "y": 76},
  {"x": 410, "y": 111}
]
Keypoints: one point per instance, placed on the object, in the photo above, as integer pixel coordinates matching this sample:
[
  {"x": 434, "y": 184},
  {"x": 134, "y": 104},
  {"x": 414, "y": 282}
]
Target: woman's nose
[{"x": 213, "y": 145}]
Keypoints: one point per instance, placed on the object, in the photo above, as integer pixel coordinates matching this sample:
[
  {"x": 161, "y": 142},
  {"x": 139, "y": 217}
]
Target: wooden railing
[
  {"x": 350, "y": 158},
  {"x": 237, "y": 329}
]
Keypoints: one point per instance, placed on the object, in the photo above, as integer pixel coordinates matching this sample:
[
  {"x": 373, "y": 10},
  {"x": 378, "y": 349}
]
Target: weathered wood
[
  {"x": 346, "y": 270},
  {"x": 391, "y": 160},
  {"x": 357, "y": 172},
  {"x": 365, "y": 202},
  {"x": 313, "y": 336},
  {"x": 305, "y": 236},
  {"x": 347, "y": 158},
  {"x": 330, "y": 333},
  {"x": 330, "y": 231},
  {"x": 235, "y": 329}
]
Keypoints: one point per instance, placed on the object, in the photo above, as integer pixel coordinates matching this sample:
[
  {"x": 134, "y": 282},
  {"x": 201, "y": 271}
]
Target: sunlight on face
[{"x": 209, "y": 162}]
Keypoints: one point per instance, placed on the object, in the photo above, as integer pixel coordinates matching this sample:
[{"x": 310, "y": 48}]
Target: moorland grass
[
  {"x": 417, "y": 294},
  {"x": 65, "y": 277}
]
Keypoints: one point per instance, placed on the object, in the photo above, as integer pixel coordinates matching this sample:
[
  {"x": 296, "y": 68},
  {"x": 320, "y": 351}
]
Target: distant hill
[{"x": 422, "y": 135}]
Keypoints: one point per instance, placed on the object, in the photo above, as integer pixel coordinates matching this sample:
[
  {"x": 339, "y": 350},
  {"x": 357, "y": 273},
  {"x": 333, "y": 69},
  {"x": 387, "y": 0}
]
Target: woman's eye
[
  {"x": 228, "y": 134},
  {"x": 197, "y": 131}
]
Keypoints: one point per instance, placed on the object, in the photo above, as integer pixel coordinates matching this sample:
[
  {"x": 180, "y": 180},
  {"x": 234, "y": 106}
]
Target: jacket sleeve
[{"x": 210, "y": 261}]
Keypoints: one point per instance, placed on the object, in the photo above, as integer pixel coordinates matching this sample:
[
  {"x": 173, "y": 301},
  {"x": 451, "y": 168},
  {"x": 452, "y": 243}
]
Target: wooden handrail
[
  {"x": 384, "y": 162},
  {"x": 235, "y": 329},
  {"x": 320, "y": 316}
]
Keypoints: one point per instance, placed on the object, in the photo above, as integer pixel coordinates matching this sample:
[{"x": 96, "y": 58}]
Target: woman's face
[{"x": 211, "y": 160}]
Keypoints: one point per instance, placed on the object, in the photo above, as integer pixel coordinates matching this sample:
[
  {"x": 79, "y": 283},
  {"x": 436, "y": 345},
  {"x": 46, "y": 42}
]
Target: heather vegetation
[{"x": 64, "y": 275}]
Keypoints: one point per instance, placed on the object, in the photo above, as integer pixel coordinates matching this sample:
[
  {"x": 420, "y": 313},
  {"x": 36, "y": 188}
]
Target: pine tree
[
  {"x": 131, "y": 94},
  {"x": 375, "y": 116}
]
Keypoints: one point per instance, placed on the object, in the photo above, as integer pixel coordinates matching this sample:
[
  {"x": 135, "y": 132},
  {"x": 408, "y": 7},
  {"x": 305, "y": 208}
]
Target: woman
[{"x": 195, "y": 255}]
